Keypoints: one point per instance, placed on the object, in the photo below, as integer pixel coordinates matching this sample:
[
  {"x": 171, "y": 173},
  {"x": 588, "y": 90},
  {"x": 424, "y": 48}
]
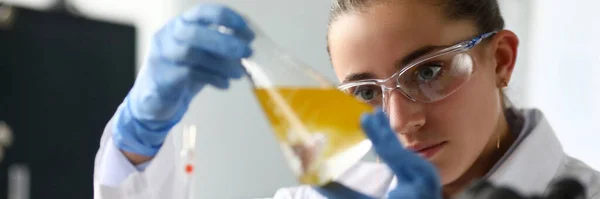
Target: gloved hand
[
  {"x": 186, "y": 55},
  {"x": 417, "y": 178}
]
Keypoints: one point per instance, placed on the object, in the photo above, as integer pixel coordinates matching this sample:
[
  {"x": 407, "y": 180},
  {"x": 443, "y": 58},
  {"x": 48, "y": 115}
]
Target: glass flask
[{"x": 316, "y": 125}]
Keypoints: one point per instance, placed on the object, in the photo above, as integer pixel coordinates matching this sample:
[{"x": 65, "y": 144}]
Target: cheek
[
  {"x": 467, "y": 120},
  {"x": 470, "y": 110},
  {"x": 474, "y": 106}
]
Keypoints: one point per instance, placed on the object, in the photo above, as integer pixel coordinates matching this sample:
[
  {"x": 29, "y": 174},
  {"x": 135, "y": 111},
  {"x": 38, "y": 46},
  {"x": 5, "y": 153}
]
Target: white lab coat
[{"x": 531, "y": 164}]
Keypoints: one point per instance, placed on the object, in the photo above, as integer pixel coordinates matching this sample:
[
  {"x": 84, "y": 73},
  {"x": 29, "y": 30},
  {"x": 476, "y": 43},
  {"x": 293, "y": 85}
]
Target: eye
[
  {"x": 366, "y": 93},
  {"x": 428, "y": 72}
]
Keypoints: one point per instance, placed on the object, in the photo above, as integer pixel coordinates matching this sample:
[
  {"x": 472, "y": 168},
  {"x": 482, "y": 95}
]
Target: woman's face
[{"x": 462, "y": 124}]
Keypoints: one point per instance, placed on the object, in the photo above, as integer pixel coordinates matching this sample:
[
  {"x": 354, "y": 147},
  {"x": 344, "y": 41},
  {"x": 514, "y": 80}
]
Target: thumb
[
  {"x": 408, "y": 166},
  {"x": 385, "y": 141}
]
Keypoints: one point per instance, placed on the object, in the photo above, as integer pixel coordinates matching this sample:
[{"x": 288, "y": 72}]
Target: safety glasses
[{"x": 428, "y": 79}]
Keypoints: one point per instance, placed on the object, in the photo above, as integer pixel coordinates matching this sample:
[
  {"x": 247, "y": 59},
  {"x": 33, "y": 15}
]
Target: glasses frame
[{"x": 460, "y": 47}]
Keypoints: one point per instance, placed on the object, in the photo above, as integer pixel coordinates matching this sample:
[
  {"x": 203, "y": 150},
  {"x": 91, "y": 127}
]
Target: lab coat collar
[{"x": 533, "y": 160}]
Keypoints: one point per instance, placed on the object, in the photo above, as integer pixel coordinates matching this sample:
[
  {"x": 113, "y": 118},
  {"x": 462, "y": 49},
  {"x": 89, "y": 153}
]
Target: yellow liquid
[{"x": 297, "y": 114}]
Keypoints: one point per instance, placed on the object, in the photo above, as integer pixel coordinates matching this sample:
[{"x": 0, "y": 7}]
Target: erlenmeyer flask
[{"x": 316, "y": 125}]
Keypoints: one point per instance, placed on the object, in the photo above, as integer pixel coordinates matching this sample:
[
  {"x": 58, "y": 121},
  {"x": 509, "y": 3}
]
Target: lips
[{"x": 426, "y": 150}]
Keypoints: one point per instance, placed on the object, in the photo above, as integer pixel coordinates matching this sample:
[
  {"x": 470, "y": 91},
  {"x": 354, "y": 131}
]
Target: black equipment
[
  {"x": 62, "y": 77},
  {"x": 566, "y": 188}
]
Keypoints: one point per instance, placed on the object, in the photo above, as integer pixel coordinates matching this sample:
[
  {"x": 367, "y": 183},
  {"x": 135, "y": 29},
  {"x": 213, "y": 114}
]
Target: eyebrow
[
  {"x": 399, "y": 64},
  {"x": 358, "y": 76},
  {"x": 416, "y": 54}
]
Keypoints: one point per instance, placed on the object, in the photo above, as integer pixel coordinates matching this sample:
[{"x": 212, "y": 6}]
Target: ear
[{"x": 504, "y": 46}]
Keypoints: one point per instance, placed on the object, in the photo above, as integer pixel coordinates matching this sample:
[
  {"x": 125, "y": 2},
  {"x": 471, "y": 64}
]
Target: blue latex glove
[
  {"x": 185, "y": 56},
  {"x": 417, "y": 178}
]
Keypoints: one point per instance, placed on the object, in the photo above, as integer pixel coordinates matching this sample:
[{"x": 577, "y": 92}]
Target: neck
[{"x": 489, "y": 157}]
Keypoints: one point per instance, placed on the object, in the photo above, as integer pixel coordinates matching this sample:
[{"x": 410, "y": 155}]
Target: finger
[
  {"x": 198, "y": 36},
  {"x": 207, "y": 14},
  {"x": 228, "y": 68},
  {"x": 408, "y": 167},
  {"x": 404, "y": 192},
  {"x": 183, "y": 56},
  {"x": 197, "y": 58},
  {"x": 231, "y": 68},
  {"x": 204, "y": 77},
  {"x": 384, "y": 140},
  {"x": 404, "y": 163}
]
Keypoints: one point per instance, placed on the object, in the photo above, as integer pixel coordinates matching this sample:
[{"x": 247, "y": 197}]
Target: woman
[{"x": 437, "y": 67}]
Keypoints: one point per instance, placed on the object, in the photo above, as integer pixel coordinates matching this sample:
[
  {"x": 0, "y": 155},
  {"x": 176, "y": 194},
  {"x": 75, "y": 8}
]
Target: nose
[{"x": 405, "y": 115}]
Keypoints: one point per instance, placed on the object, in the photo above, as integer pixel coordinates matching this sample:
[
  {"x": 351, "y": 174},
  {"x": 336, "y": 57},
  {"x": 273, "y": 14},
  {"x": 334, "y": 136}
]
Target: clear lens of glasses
[{"x": 428, "y": 81}]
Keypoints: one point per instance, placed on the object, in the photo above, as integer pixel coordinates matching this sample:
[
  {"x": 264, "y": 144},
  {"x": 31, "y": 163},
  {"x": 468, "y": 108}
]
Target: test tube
[{"x": 187, "y": 149}]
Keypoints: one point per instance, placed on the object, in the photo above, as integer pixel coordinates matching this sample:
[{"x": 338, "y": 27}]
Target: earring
[
  {"x": 504, "y": 84},
  {"x": 498, "y": 142}
]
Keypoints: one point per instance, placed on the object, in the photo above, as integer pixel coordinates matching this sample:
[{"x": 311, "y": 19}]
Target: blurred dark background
[{"x": 61, "y": 79}]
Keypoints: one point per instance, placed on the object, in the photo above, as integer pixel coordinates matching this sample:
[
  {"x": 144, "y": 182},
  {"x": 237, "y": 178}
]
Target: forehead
[{"x": 374, "y": 40}]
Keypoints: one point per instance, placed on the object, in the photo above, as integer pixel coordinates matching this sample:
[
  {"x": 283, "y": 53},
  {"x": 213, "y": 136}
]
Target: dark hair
[{"x": 485, "y": 13}]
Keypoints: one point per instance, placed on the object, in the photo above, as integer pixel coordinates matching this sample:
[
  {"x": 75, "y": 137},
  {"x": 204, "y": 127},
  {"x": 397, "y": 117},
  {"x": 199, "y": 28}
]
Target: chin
[
  {"x": 448, "y": 174},
  {"x": 447, "y": 167}
]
